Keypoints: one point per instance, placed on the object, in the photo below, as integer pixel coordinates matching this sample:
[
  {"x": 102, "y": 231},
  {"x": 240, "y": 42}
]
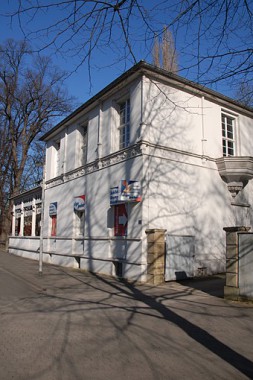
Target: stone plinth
[{"x": 156, "y": 255}]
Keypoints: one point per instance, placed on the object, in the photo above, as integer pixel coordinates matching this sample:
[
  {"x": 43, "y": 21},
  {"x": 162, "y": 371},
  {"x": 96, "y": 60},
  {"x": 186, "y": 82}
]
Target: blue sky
[{"x": 107, "y": 62}]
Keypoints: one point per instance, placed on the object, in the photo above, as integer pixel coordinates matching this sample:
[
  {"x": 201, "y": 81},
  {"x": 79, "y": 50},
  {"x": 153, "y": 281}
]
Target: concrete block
[
  {"x": 231, "y": 280},
  {"x": 231, "y": 238},
  {"x": 232, "y": 266},
  {"x": 231, "y": 252},
  {"x": 231, "y": 293}
]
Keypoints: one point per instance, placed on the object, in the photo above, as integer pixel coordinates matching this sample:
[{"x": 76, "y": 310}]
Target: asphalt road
[{"x": 68, "y": 324}]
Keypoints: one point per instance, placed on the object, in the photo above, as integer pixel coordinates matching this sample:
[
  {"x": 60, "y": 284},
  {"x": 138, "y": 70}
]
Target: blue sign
[
  {"x": 79, "y": 203},
  {"x": 53, "y": 209}
]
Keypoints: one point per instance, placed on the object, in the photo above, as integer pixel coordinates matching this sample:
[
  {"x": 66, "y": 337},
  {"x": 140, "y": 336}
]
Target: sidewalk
[
  {"x": 54, "y": 276},
  {"x": 86, "y": 326}
]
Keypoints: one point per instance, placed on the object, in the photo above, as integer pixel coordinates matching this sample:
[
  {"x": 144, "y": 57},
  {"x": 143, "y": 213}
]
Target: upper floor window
[
  {"x": 228, "y": 135},
  {"x": 57, "y": 158},
  {"x": 124, "y": 128},
  {"x": 83, "y": 144}
]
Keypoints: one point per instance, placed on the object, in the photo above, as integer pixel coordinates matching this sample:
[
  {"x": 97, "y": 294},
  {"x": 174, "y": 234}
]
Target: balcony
[{"x": 235, "y": 171}]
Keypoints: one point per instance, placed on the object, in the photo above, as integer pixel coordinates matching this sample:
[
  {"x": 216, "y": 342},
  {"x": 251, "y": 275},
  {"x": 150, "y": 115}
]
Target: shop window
[
  {"x": 38, "y": 220},
  {"x": 53, "y": 225},
  {"x": 79, "y": 223},
  {"x": 38, "y": 225},
  {"x": 28, "y": 221},
  {"x": 120, "y": 220},
  {"x": 28, "y": 225},
  {"x": 17, "y": 226}
]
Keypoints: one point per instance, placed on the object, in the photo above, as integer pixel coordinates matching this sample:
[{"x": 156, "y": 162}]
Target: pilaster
[{"x": 156, "y": 255}]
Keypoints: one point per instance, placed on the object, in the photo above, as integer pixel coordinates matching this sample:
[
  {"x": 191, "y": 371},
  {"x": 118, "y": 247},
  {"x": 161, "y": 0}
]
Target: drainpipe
[
  {"x": 141, "y": 121},
  {"x": 203, "y": 140},
  {"x": 99, "y": 145}
]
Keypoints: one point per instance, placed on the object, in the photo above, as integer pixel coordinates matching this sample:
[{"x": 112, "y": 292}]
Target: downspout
[
  {"x": 203, "y": 139},
  {"x": 141, "y": 120},
  {"x": 99, "y": 145}
]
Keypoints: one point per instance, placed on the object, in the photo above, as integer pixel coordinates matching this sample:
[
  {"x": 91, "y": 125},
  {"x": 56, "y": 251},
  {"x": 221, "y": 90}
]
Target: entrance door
[{"x": 179, "y": 257}]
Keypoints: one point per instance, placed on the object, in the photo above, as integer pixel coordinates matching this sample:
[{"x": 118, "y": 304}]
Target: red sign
[{"x": 120, "y": 220}]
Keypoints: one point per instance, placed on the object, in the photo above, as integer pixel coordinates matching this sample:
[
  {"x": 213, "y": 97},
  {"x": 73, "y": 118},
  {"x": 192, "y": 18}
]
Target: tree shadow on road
[{"x": 198, "y": 334}]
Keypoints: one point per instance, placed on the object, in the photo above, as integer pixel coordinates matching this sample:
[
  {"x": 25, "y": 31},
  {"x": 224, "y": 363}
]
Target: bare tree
[
  {"x": 213, "y": 38},
  {"x": 164, "y": 52},
  {"x": 156, "y": 52},
  {"x": 31, "y": 97},
  {"x": 244, "y": 93}
]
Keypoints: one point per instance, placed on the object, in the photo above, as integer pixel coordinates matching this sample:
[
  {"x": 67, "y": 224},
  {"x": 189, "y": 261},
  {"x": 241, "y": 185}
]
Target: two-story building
[{"x": 150, "y": 151}]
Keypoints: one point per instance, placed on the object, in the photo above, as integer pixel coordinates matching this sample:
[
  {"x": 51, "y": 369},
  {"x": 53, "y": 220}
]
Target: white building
[{"x": 147, "y": 152}]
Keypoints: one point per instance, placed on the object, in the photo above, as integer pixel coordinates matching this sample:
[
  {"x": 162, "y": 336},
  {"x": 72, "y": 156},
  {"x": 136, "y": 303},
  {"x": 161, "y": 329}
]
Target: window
[
  {"x": 83, "y": 144},
  {"x": 57, "y": 157},
  {"x": 79, "y": 223},
  {"x": 18, "y": 225},
  {"x": 38, "y": 219},
  {"x": 228, "y": 135},
  {"x": 120, "y": 220},
  {"x": 53, "y": 225},
  {"x": 124, "y": 128},
  {"x": 28, "y": 223}
]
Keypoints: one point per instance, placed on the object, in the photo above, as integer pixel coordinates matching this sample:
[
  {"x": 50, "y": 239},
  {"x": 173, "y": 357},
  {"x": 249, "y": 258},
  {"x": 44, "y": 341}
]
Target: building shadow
[{"x": 212, "y": 285}]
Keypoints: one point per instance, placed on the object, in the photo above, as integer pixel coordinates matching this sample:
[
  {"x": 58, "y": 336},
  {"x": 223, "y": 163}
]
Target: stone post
[
  {"x": 231, "y": 289},
  {"x": 155, "y": 255}
]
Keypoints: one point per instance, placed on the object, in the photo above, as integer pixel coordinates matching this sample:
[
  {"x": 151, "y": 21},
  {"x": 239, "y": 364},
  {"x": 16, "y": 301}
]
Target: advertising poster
[
  {"x": 53, "y": 209},
  {"x": 114, "y": 195},
  {"x": 79, "y": 203},
  {"x": 120, "y": 220},
  {"x": 129, "y": 191}
]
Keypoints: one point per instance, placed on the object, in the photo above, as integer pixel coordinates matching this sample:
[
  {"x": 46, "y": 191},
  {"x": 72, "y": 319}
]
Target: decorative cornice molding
[
  {"x": 122, "y": 155},
  {"x": 140, "y": 148},
  {"x": 112, "y": 159}
]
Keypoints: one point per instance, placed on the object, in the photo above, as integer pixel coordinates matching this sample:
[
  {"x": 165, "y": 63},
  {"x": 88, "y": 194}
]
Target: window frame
[
  {"x": 83, "y": 143},
  {"x": 57, "y": 146},
  {"x": 124, "y": 123},
  {"x": 228, "y": 129},
  {"x": 79, "y": 223},
  {"x": 53, "y": 228}
]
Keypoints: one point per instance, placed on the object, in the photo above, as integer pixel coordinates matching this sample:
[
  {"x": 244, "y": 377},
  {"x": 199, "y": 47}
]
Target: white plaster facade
[{"x": 175, "y": 140}]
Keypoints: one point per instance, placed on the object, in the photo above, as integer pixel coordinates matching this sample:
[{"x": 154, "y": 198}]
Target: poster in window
[
  {"x": 79, "y": 203},
  {"x": 53, "y": 209},
  {"x": 129, "y": 191},
  {"x": 120, "y": 220},
  {"x": 54, "y": 225}
]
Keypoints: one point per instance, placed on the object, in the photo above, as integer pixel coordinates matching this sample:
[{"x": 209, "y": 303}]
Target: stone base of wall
[{"x": 156, "y": 256}]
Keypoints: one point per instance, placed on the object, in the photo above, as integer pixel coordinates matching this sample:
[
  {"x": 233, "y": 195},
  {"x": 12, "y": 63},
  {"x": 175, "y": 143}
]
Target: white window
[
  {"x": 57, "y": 157},
  {"x": 228, "y": 135},
  {"x": 83, "y": 144},
  {"x": 124, "y": 128}
]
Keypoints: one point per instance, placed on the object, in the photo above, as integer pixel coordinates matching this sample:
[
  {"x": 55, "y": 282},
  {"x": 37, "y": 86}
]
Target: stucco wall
[
  {"x": 186, "y": 196},
  {"x": 98, "y": 242},
  {"x": 246, "y": 265},
  {"x": 180, "y": 120}
]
